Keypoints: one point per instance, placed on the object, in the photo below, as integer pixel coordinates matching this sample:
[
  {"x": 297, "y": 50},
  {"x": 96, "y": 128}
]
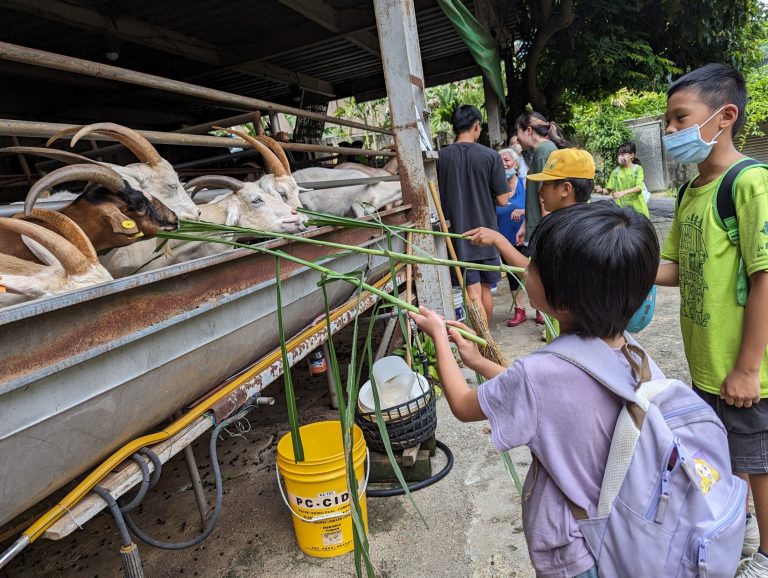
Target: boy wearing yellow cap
[{"x": 568, "y": 178}]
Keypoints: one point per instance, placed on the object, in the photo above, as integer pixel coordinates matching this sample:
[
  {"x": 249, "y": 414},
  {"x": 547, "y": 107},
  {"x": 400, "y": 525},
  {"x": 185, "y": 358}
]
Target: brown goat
[{"x": 111, "y": 214}]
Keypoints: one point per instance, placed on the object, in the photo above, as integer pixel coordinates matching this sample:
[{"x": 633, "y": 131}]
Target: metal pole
[
  {"x": 78, "y": 66},
  {"x": 23, "y": 162},
  {"x": 47, "y": 129},
  {"x": 404, "y": 76},
  {"x": 194, "y": 478},
  {"x": 197, "y": 484}
]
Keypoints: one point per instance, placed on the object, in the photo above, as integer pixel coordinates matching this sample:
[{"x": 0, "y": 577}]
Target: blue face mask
[
  {"x": 686, "y": 146},
  {"x": 511, "y": 173}
]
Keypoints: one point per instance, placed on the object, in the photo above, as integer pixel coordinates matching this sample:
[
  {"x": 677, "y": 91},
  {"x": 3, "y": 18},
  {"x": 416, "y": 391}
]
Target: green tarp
[{"x": 481, "y": 44}]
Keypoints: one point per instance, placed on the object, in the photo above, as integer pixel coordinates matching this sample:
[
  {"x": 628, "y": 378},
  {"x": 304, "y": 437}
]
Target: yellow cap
[{"x": 565, "y": 164}]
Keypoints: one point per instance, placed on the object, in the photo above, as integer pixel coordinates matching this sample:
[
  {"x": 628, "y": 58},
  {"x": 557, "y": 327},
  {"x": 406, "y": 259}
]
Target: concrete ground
[{"x": 473, "y": 515}]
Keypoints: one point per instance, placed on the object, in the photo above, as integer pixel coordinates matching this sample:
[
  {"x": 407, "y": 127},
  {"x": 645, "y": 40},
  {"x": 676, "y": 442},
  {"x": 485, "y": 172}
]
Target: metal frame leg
[
  {"x": 330, "y": 377},
  {"x": 197, "y": 484}
]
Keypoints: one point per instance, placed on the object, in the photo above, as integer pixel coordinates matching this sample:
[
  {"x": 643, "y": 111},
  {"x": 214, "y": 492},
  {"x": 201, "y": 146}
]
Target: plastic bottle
[{"x": 317, "y": 363}]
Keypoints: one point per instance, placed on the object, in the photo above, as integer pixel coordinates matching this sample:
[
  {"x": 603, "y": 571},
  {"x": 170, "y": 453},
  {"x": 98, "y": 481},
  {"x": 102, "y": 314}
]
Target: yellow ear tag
[
  {"x": 137, "y": 235},
  {"x": 128, "y": 224}
]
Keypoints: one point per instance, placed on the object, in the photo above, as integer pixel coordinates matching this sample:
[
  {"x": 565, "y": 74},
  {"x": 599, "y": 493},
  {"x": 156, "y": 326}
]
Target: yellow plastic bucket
[{"x": 317, "y": 492}]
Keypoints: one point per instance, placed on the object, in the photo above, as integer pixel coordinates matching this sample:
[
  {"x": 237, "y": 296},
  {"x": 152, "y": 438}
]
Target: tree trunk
[{"x": 548, "y": 25}]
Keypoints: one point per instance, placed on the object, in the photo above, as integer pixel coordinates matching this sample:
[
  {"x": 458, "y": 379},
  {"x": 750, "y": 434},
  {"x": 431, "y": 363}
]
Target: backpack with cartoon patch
[
  {"x": 669, "y": 504},
  {"x": 724, "y": 207}
]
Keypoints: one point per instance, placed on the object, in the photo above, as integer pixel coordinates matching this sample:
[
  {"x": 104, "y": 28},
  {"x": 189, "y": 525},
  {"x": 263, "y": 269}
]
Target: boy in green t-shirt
[{"x": 725, "y": 343}]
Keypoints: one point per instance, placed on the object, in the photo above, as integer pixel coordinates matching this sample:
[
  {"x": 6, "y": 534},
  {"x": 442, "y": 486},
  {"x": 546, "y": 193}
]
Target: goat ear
[
  {"x": 233, "y": 215},
  {"x": 43, "y": 254},
  {"x": 119, "y": 223}
]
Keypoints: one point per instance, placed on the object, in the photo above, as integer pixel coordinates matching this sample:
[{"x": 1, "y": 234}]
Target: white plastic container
[{"x": 394, "y": 380}]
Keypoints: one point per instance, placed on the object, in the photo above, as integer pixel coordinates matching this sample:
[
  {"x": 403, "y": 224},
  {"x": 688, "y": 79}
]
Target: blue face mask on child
[
  {"x": 511, "y": 173},
  {"x": 686, "y": 146}
]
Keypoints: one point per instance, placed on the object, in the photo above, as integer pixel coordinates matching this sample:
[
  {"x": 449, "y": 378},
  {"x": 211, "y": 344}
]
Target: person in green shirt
[
  {"x": 725, "y": 342},
  {"x": 534, "y": 132},
  {"x": 625, "y": 184}
]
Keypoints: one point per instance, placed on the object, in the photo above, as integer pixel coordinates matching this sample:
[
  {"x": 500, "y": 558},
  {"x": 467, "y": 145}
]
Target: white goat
[
  {"x": 278, "y": 179},
  {"x": 355, "y": 200},
  {"x": 246, "y": 206},
  {"x": 154, "y": 176},
  {"x": 69, "y": 260}
]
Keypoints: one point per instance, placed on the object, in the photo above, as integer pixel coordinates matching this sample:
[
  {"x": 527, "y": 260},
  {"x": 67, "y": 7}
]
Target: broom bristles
[{"x": 491, "y": 350}]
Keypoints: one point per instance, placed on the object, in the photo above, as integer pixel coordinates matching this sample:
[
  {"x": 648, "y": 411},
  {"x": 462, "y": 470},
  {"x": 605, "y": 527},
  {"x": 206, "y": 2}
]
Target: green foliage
[
  {"x": 757, "y": 106},
  {"x": 442, "y": 101},
  {"x": 638, "y": 45},
  {"x": 372, "y": 112},
  {"x": 599, "y": 127},
  {"x": 429, "y": 351}
]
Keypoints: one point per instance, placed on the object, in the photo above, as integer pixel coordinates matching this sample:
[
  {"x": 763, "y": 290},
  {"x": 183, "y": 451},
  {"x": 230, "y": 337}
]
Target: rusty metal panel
[{"x": 82, "y": 373}]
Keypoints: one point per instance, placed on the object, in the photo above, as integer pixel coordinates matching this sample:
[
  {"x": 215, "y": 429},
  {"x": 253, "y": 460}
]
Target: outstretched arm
[
  {"x": 485, "y": 237},
  {"x": 461, "y": 398}
]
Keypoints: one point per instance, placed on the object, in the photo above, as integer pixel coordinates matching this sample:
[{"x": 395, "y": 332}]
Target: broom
[{"x": 476, "y": 317}]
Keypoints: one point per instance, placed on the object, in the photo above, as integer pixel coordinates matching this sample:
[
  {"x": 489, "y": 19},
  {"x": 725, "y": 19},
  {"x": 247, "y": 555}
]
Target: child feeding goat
[{"x": 591, "y": 267}]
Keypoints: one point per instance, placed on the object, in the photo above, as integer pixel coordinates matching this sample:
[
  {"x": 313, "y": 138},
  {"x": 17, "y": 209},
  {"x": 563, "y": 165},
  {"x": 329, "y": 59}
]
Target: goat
[
  {"x": 278, "y": 179},
  {"x": 354, "y": 200},
  {"x": 69, "y": 260},
  {"x": 246, "y": 206},
  {"x": 154, "y": 176},
  {"x": 111, "y": 215}
]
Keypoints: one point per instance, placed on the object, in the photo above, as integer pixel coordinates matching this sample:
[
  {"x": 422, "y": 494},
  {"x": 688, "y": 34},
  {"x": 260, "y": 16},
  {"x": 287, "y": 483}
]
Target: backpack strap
[
  {"x": 725, "y": 215},
  {"x": 594, "y": 357}
]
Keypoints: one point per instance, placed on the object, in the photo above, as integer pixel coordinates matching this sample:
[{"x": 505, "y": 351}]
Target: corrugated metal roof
[{"x": 268, "y": 31}]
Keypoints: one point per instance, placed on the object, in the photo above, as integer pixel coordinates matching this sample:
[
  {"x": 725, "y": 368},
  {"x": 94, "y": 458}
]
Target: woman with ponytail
[{"x": 536, "y": 133}]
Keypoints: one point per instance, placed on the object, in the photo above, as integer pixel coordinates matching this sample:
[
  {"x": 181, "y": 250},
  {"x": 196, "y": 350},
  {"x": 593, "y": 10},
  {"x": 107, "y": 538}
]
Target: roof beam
[
  {"x": 327, "y": 17},
  {"x": 145, "y": 34}
]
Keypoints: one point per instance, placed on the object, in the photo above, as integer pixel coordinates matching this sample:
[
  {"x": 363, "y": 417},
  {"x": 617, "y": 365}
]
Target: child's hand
[
  {"x": 467, "y": 349},
  {"x": 483, "y": 237},
  {"x": 740, "y": 389},
  {"x": 429, "y": 322},
  {"x": 520, "y": 239}
]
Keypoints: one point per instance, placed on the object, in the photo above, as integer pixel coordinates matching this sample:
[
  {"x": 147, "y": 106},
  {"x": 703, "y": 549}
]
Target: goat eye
[{"x": 258, "y": 201}]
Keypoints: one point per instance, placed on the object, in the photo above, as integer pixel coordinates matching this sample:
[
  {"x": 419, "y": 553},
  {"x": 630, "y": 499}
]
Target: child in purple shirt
[{"x": 591, "y": 268}]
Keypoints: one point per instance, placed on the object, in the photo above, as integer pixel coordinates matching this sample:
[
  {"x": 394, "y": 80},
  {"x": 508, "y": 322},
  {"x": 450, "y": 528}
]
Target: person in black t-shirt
[{"x": 472, "y": 182}]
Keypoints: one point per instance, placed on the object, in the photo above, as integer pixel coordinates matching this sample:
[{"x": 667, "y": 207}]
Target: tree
[
  {"x": 588, "y": 49},
  {"x": 599, "y": 126}
]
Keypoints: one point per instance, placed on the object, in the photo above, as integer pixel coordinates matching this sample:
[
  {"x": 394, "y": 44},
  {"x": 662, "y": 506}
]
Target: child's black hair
[
  {"x": 629, "y": 147},
  {"x": 597, "y": 261},
  {"x": 717, "y": 85},
  {"x": 541, "y": 126},
  {"x": 464, "y": 118},
  {"x": 582, "y": 188}
]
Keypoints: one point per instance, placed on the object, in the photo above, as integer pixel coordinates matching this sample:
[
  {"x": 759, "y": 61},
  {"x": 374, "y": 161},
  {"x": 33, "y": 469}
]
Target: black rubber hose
[
  {"x": 155, "y": 462},
  {"x": 124, "y": 520},
  {"x": 125, "y": 537},
  {"x": 389, "y": 492},
  {"x": 144, "y": 537},
  {"x": 143, "y": 488}
]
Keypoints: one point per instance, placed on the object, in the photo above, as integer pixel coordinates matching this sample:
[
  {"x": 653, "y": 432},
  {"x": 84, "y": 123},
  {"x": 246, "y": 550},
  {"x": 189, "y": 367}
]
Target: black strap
[{"x": 726, "y": 207}]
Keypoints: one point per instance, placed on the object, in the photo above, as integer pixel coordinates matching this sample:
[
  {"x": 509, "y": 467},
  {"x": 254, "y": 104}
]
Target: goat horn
[
  {"x": 127, "y": 137},
  {"x": 274, "y": 165},
  {"x": 70, "y": 230},
  {"x": 195, "y": 185},
  {"x": 62, "y": 133},
  {"x": 55, "y": 154},
  {"x": 277, "y": 150},
  {"x": 97, "y": 174},
  {"x": 73, "y": 261}
]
